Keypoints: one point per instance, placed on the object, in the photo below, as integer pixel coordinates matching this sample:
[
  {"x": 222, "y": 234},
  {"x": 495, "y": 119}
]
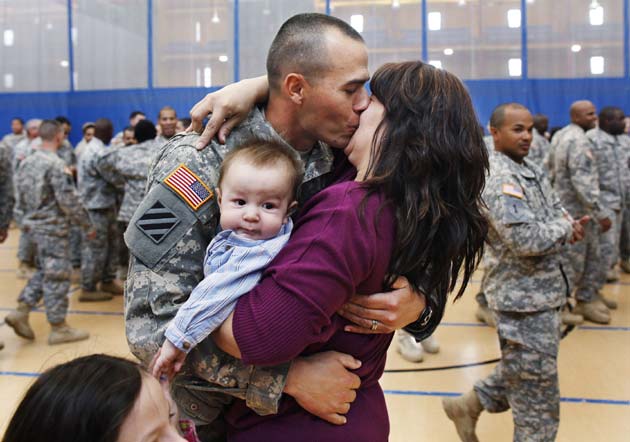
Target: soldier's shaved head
[
  {"x": 301, "y": 45},
  {"x": 498, "y": 114},
  {"x": 583, "y": 114},
  {"x": 49, "y": 129}
]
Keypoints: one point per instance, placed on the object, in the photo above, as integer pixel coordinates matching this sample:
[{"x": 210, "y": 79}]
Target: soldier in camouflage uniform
[
  {"x": 171, "y": 229},
  {"x": 6, "y": 194},
  {"x": 611, "y": 159},
  {"x": 624, "y": 242},
  {"x": 127, "y": 168},
  {"x": 16, "y": 135},
  {"x": 48, "y": 199},
  {"x": 26, "y": 248},
  {"x": 167, "y": 120},
  {"x": 99, "y": 257},
  {"x": 525, "y": 287},
  {"x": 577, "y": 185}
]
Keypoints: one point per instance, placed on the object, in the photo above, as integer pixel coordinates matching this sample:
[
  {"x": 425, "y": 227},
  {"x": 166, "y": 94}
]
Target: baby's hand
[{"x": 168, "y": 361}]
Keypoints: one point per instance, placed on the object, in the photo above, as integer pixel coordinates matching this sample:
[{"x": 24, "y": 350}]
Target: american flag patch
[
  {"x": 512, "y": 190},
  {"x": 187, "y": 185}
]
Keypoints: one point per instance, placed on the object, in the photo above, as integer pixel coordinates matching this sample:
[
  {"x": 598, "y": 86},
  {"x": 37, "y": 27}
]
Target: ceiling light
[
  {"x": 9, "y": 37},
  {"x": 597, "y": 65},
  {"x": 514, "y": 67},
  {"x": 514, "y": 18},
  {"x": 215, "y": 17},
  {"x": 197, "y": 32},
  {"x": 448, "y": 51},
  {"x": 207, "y": 77},
  {"x": 223, "y": 58},
  {"x": 576, "y": 48},
  {"x": 8, "y": 81},
  {"x": 596, "y": 14},
  {"x": 356, "y": 21},
  {"x": 436, "y": 63},
  {"x": 435, "y": 21},
  {"x": 395, "y": 4},
  {"x": 64, "y": 63}
]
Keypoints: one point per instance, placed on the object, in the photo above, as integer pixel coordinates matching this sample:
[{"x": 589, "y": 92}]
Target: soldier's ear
[{"x": 294, "y": 85}]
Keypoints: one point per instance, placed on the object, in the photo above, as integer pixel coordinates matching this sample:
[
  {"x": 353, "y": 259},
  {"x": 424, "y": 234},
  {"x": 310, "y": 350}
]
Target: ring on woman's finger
[{"x": 374, "y": 325}]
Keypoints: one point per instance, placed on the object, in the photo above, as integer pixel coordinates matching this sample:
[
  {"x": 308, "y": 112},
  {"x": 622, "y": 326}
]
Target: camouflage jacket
[
  {"x": 611, "y": 159},
  {"x": 167, "y": 238},
  {"x": 539, "y": 149},
  {"x": 96, "y": 193},
  {"x": 66, "y": 153},
  {"x": 46, "y": 195},
  {"x": 127, "y": 168},
  {"x": 6, "y": 186},
  {"x": 526, "y": 237},
  {"x": 576, "y": 178},
  {"x": 12, "y": 140}
]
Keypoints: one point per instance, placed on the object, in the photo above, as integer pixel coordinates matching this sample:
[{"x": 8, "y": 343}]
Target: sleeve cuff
[
  {"x": 179, "y": 339},
  {"x": 265, "y": 388}
]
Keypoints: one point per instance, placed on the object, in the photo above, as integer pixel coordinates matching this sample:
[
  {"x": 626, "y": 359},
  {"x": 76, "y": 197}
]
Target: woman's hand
[
  {"x": 383, "y": 312},
  {"x": 323, "y": 384},
  {"x": 229, "y": 106}
]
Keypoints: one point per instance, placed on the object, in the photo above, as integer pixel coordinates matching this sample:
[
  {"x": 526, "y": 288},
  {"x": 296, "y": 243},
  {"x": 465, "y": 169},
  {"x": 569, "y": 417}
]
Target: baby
[{"x": 256, "y": 194}]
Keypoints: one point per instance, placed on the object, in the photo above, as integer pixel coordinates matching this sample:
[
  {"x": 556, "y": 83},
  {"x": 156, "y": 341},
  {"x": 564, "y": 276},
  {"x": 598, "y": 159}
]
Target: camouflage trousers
[
  {"x": 26, "y": 248},
  {"x": 51, "y": 280},
  {"x": 584, "y": 271},
  {"x": 624, "y": 241},
  {"x": 609, "y": 246},
  {"x": 76, "y": 234},
  {"x": 99, "y": 256},
  {"x": 526, "y": 378}
]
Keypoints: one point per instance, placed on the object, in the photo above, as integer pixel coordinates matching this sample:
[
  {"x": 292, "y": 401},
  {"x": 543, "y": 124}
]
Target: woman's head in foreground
[
  {"x": 427, "y": 153},
  {"x": 96, "y": 398}
]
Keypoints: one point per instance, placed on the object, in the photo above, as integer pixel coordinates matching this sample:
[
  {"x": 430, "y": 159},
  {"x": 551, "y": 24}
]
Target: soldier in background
[
  {"x": 167, "y": 125},
  {"x": 525, "y": 287},
  {"x": 88, "y": 134},
  {"x": 26, "y": 248},
  {"x": 577, "y": 185},
  {"x": 17, "y": 133},
  {"x": 541, "y": 125},
  {"x": 134, "y": 118},
  {"x": 100, "y": 256},
  {"x": 624, "y": 243},
  {"x": 611, "y": 159},
  {"x": 48, "y": 199},
  {"x": 127, "y": 168},
  {"x": 6, "y": 194}
]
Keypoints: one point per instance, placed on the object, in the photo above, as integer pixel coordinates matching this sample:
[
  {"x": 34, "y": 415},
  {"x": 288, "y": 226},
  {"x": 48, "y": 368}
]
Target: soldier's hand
[
  {"x": 3, "y": 235},
  {"x": 578, "y": 229},
  {"x": 323, "y": 384},
  {"x": 391, "y": 310},
  {"x": 228, "y": 107},
  {"x": 605, "y": 224}
]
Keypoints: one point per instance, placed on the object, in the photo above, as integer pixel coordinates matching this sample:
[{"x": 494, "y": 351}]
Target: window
[
  {"x": 392, "y": 29},
  {"x": 110, "y": 44},
  {"x": 476, "y": 39},
  {"x": 575, "y": 38},
  {"x": 34, "y": 46},
  {"x": 193, "y": 43}
]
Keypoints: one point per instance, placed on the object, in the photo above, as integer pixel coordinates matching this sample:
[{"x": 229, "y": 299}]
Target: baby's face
[{"x": 254, "y": 201}]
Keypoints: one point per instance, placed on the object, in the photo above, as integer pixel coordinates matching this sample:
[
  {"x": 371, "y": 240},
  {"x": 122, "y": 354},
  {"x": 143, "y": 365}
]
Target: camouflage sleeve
[
  {"x": 6, "y": 187},
  {"x": 585, "y": 178},
  {"x": 107, "y": 167},
  {"x": 68, "y": 198},
  {"x": 511, "y": 215}
]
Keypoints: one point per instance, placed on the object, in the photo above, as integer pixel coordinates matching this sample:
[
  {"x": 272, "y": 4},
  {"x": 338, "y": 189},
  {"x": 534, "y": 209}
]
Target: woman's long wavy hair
[{"x": 429, "y": 157}]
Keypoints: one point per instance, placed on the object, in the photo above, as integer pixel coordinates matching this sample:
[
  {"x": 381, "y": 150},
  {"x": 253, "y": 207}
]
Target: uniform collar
[{"x": 525, "y": 169}]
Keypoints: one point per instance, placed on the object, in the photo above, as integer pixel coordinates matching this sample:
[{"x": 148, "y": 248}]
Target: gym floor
[{"x": 594, "y": 365}]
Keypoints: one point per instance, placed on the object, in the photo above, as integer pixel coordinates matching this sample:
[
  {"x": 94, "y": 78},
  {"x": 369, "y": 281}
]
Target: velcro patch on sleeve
[
  {"x": 512, "y": 190},
  {"x": 188, "y": 186}
]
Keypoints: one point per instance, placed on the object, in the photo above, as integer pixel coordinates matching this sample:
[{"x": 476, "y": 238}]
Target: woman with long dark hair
[
  {"x": 96, "y": 398},
  {"x": 409, "y": 206}
]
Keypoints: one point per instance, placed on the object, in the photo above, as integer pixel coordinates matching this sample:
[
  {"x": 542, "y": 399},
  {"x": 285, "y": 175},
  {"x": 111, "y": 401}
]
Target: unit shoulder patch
[{"x": 188, "y": 186}]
